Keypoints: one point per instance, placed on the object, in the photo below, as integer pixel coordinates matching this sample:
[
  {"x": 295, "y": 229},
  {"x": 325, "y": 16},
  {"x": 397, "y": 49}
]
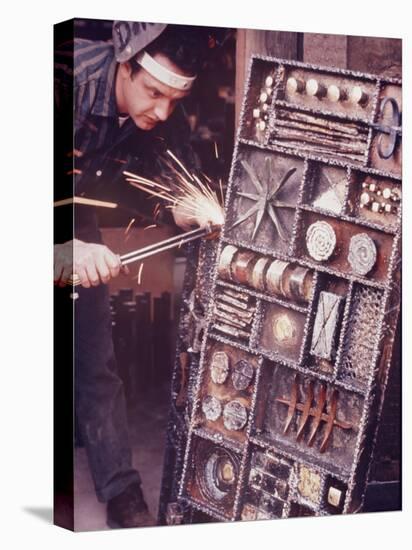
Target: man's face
[{"x": 144, "y": 98}]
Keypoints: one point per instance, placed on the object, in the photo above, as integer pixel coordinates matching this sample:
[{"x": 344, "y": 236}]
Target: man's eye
[{"x": 155, "y": 94}]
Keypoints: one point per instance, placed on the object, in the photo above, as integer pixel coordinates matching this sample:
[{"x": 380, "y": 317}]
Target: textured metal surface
[
  {"x": 362, "y": 253},
  {"x": 242, "y": 375},
  {"x": 219, "y": 367},
  {"x": 234, "y": 416},
  {"x": 360, "y": 342},
  {"x": 321, "y": 241},
  {"x": 326, "y": 325},
  {"x": 297, "y": 437},
  {"x": 211, "y": 407}
]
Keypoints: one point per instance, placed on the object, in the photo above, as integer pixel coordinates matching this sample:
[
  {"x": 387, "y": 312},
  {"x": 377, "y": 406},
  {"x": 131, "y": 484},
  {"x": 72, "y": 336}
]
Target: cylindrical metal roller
[
  {"x": 274, "y": 276},
  {"x": 297, "y": 283},
  {"x": 243, "y": 265},
  {"x": 257, "y": 276},
  {"x": 226, "y": 257}
]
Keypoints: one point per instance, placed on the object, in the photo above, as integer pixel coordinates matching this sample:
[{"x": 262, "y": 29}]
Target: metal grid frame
[{"x": 372, "y": 389}]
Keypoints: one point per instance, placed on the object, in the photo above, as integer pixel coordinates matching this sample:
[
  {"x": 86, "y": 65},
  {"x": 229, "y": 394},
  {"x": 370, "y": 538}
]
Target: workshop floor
[{"x": 147, "y": 426}]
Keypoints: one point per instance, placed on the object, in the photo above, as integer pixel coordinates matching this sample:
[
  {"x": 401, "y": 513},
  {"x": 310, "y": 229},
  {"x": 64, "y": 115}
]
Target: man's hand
[
  {"x": 188, "y": 215},
  {"x": 92, "y": 263},
  {"x": 182, "y": 217}
]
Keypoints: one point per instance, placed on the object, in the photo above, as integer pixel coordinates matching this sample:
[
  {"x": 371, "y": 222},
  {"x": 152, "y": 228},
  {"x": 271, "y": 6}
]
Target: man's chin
[{"x": 145, "y": 124}]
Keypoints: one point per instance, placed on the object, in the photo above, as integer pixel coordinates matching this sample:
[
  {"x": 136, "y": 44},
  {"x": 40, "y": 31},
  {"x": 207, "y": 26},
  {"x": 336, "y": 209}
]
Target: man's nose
[{"x": 163, "y": 109}]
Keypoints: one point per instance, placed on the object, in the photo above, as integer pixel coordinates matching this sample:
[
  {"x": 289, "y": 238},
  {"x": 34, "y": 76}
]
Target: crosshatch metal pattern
[{"x": 304, "y": 402}]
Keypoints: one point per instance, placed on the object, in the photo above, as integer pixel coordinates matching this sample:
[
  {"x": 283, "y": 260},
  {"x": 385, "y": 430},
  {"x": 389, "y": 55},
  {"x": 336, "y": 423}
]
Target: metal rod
[
  {"x": 177, "y": 238},
  {"x": 160, "y": 247},
  {"x": 156, "y": 248}
]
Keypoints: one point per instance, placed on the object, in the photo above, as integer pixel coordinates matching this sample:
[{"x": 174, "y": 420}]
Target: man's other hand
[
  {"x": 92, "y": 263},
  {"x": 187, "y": 215},
  {"x": 201, "y": 213}
]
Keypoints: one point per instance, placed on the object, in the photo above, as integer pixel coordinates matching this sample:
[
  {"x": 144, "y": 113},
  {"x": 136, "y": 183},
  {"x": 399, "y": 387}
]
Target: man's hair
[{"x": 185, "y": 46}]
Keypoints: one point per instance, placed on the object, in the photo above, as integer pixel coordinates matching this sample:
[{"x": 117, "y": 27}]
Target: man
[{"x": 123, "y": 92}]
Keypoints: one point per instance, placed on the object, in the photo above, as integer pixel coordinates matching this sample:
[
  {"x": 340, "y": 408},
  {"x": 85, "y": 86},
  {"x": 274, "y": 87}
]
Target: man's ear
[{"x": 125, "y": 70}]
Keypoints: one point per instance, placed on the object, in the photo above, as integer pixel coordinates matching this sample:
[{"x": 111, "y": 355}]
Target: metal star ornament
[{"x": 264, "y": 198}]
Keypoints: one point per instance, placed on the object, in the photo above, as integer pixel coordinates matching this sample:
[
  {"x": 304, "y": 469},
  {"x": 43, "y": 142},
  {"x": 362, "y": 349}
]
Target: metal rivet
[
  {"x": 314, "y": 88},
  {"x": 365, "y": 198},
  {"x": 293, "y": 85},
  {"x": 358, "y": 96},
  {"x": 334, "y": 496},
  {"x": 335, "y": 94}
]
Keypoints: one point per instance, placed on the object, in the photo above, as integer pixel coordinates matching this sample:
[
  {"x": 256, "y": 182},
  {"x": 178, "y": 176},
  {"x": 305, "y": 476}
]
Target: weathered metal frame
[{"x": 185, "y": 424}]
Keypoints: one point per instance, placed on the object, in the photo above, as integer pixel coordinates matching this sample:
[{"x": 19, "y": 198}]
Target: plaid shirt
[{"x": 98, "y": 149}]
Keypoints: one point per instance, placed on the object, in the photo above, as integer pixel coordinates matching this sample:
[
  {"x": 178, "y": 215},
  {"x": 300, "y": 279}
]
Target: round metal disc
[
  {"x": 234, "y": 416},
  {"x": 242, "y": 375},
  {"x": 219, "y": 367},
  {"x": 211, "y": 407},
  {"x": 362, "y": 253},
  {"x": 321, "y": 241}
]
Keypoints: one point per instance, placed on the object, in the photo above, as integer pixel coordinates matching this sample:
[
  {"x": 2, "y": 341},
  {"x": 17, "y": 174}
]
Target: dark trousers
[{"x": 100, "y": 404}]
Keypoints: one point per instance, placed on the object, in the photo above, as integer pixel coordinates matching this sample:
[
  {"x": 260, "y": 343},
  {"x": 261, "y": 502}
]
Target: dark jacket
[{"x": 85, "y": 73}]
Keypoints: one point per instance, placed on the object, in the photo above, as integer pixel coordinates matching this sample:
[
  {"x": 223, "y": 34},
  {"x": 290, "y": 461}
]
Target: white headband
[{"x": 164, "y": 75}]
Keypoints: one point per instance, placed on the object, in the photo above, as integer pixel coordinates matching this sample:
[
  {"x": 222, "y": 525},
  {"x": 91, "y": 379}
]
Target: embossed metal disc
[
  {"x": 211, "y": 407},
  {"x": 242, "y": 375},
  {"x": 362, "y": 253},
  {"x": 320, "y": 240},
  {"x": 219, "y": 367},
  {"x": 284, "y": 329},
  {"x": 234, "y": 416},
  {"x": 217, "y": 473}
]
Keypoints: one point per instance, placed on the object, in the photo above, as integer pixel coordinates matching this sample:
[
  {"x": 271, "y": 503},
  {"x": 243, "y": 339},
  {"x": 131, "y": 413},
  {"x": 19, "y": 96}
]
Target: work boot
[{"x": 129, "y": 509}]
